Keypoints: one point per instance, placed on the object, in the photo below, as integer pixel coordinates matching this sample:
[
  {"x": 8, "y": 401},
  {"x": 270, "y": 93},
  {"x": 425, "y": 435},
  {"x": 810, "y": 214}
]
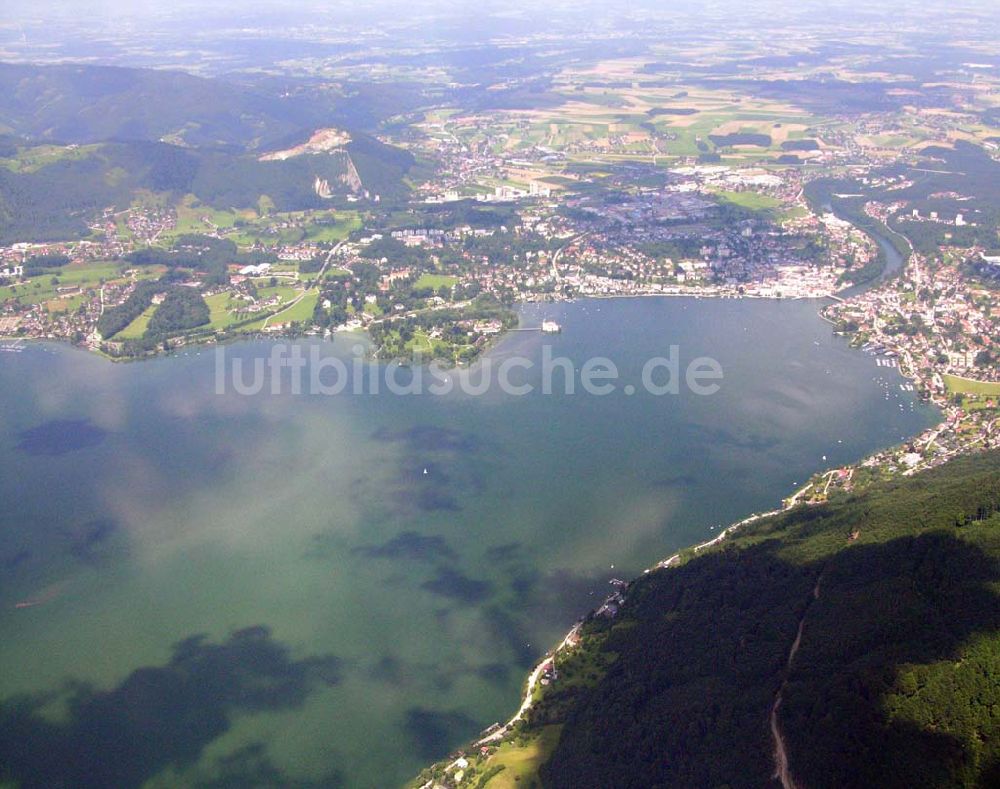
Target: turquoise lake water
[{"x": 226, "y": 590}]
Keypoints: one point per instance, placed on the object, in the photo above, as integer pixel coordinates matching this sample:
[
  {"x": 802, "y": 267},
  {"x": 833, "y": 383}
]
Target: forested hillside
[
  {"x": 78, "y": 139},
  {"x": 894, "y": 684},
  {"x": 85, "y": 103},
  {"x": 50, "y": 193}
]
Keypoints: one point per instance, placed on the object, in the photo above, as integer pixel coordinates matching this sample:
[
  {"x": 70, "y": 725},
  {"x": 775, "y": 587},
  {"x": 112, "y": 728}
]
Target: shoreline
[
  {"x": 205, "y": 340},
  {"x": 497, "y": 736},
  {"x": 569, "y": 640},
  {"x": 500, "y": 734}
]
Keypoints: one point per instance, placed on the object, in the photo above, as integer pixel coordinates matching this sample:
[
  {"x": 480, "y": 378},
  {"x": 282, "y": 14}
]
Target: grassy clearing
[
  {"x": 301, "y": 311},
  {"x": 248, "y": 227},
  {"x": 435, "y": 281},
  {"x": 41, "y": 288},
  {"x": 284, "y": 293},
  {"x": 346, "y": 223},
  {"x": 750, "y": 200},
  {"x": 420, "y": 344},
  {"x": 521, "y": 762},
  {"x": 195, "y": 217},
  {"x": 31, "y": 159},
  {"x": 137, "y": 328},
  {"x": 224, "y": 310},
  {"x": 796, "y": 212},
  {"x": 958, "y": 385},
  {"x": 89, "y": 273},
  {"x": 69, "y": 304}
]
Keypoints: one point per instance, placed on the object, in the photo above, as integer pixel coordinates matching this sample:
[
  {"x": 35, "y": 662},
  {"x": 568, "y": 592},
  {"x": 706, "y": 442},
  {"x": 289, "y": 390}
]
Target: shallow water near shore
[{"x": 295, "y": 588}]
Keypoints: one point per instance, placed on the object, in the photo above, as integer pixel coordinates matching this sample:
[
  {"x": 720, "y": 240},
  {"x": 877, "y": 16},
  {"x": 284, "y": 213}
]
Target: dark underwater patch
[
  {"x": 425, "y": 486},
  {"x": 494, "y": 673},
  {"x": 455, "y": 585},
  {"x": 89, "y": 540},
  {"x": 503, "y": 554},
  {"x": 431, "y": 500},
  {"x": 60, "y": 436},
  {"x": 430, "y": 438},
  {"x": 728, "y": 438},
  {"x": 15, "y": 561},
  {"x": 409, "y": 545},
  {"x": 505, "y": 629},
  {"x": 159, "y": 715},
  {"x": 435, "y": 732},
  {"x": 677, "y": 481},
  {"x": 251, "y": 766}
]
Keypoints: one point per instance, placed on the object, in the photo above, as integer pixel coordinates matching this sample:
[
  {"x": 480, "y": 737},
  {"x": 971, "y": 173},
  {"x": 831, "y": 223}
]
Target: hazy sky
[
  {"x": 152, "y": 9},
  {"x": 136, "y": 31}
]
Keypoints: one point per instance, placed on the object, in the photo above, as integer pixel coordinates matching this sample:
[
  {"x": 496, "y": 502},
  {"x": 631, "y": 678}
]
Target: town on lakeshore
[
  {"x": 515, "y": 210},
  {"x": 420, "y": 184}
]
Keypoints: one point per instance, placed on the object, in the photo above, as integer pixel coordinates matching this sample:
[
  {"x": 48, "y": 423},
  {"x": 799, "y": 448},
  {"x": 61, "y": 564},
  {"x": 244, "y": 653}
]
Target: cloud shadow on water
[
  {"x": 503, "y": 628},
  {"x": 441, "y": 677},
  {"x": 431, "y": 438},
  {"x": 504, "y": 554},
  {"x": 436, "y": 732},
  {"x": 424, "y": 486},
  {"x": 159, "y": 716},
  {"x": 60, "y": 437},
  {"x": 455, "y": 585},
  {"x": 409, "y": 545},
  {"x": 435, "y": 467},
  {"x": 250, "y": 766},
  {"x": 16, "y": 560},
  {"x": 89, "y": 541}
]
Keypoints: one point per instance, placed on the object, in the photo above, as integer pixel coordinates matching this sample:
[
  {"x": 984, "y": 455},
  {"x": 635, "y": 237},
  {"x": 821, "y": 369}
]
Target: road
[
  {"x": 297, "y": 299},
  {"x": 558, "y": 254},
  {"x": 529, "y": 691}
]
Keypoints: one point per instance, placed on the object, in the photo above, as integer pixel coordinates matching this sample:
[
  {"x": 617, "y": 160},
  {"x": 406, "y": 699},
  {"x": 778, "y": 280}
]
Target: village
[
  {"x": 519, "y": 234},
  {"x": 936, "y": 326},
  {"x": 659, "y": 241}
]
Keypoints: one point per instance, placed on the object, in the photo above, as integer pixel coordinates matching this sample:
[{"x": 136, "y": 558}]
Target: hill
[
  {"x": 77, "y": 139},
  {"x": 862, "y": 635},
  {"x": 52, "y": 193},
  {"x": 85, "y": 103}
]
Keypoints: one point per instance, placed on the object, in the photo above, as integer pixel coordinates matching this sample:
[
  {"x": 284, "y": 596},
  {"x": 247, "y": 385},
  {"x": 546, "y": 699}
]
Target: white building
[{"x": 256, "y": 271}]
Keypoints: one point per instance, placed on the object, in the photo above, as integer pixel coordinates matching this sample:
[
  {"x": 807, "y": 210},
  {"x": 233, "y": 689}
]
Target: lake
[{"x": 231, "y": 590}]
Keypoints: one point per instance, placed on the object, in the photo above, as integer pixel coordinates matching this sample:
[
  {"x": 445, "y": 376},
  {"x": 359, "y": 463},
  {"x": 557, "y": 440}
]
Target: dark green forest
[
  {"x": 86, "y": 103},
  {"x": 895, "y": 683}
]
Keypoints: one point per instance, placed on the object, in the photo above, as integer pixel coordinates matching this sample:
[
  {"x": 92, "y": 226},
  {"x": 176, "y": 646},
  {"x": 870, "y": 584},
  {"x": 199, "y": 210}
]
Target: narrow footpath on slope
[{"x": 782, "y": 771}]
